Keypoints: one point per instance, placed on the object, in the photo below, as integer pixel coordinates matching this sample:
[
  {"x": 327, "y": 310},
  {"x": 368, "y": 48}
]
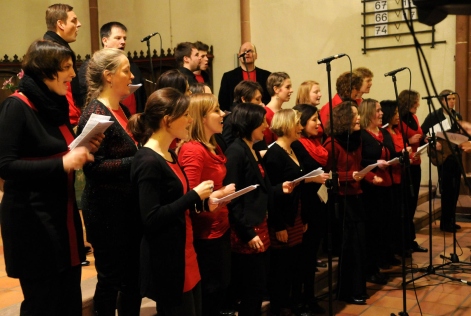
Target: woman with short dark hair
[
  {"x": 248, "y": 213},
  {"x": 41, "y": 227}
]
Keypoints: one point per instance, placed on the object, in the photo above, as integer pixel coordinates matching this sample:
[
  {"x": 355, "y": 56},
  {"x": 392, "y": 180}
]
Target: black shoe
[
  {"x": 85, "y": 263},
  {"x": 355, "y": 300},
  {"x": 457, "y": 226},
  {"x": 227, "y": 312},
  {"x": 314, "y": 308},
  {"x": 88, "y": 249},
  {"x": 376, "y": 279},
  {"x": 321, "y": 264},
  {"x": 448, "y": 228},
  {"x": 417, "y": 248}
]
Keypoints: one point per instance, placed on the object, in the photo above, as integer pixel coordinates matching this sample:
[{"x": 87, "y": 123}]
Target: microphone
[
  {"x": 328, "y": 59},
  {"x": 392, "y": 73},
  {"x": 149, "y": 36},
  {"x": 242, "y": 54},
  {"x": 439, "y": 96}
]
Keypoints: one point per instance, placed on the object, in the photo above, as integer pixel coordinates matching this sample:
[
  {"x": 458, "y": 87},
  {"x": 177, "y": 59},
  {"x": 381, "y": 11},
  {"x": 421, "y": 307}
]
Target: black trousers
[
  {"x": 214, "y": 261},
  {"x": 191, "y": 304},
  {"x": 411, "y": 202},
  {"x": 449, "y": 174},
  {"x": 53, "y": 295},
  {"x": 352, "y": 277},
  {"x": 285, "y": 278},
  {"x": 311, "y": 243},
  {"x": 377, "y": 201},
  {"x": 249, "y": 280},
  {"x": 117, "y": 266}
]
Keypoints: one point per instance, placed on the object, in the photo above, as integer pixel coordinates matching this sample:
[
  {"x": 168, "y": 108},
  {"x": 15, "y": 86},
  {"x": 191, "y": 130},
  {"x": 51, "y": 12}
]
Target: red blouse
[
  {"x": 200, "y": 164},
  {"x": 411, "y": 132}
]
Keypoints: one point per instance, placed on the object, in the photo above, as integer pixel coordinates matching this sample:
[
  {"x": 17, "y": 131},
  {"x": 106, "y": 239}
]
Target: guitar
[{"x": 438, "y": 157}]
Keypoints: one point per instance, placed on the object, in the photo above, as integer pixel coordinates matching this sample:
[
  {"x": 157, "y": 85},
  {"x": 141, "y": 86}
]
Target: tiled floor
[{"x": 430, "y": 295}]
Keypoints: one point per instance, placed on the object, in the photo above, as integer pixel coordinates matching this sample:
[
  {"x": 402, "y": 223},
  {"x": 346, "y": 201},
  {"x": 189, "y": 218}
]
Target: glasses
[{"x": 250, "y": 51}]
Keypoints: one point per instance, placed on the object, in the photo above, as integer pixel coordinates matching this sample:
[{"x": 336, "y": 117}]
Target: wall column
[
  {"x": 95, "y": 40},
  {"x": 245, "y": 21},
  {"x": 463, "y": 72}
]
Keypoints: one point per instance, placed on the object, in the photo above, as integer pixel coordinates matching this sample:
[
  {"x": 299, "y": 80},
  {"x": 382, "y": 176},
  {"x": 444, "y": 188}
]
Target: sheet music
[
  {"x": 421, "y": 149},
  {"x": 367, "y": 169},
  {"x": 454, "y": 138},
  {"x": 235, "y": 194},
  {"x": 132, "y": 89},
  {"x": 393, "y": 161},
  {"x": 97, "y": 124},
  {"x": 446, "y": 125},
  {"x": 311, "y": 174}
]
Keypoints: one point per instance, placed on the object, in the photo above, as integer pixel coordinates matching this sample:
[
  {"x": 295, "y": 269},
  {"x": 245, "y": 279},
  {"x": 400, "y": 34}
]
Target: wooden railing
[{"x": 9, "y": 67}]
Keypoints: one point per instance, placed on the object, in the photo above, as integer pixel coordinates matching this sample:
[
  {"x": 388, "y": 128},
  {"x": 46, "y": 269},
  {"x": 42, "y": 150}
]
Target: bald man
[{"x": 246, "y": 71}]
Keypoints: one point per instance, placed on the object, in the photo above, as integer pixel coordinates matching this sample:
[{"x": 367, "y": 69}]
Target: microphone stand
[
  {"x": 150, "y": 61},
  {"x": 405, "y": 171},
  {"x": 244, "y": 61},
  {"x": 333, "y": 203}
]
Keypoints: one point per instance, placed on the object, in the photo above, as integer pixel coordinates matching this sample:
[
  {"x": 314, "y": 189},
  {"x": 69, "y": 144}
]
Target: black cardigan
[
  {"x": 250, "y": 209},
  {"x": 281, "y": 168},
  {"x": 162, "y": 206}
]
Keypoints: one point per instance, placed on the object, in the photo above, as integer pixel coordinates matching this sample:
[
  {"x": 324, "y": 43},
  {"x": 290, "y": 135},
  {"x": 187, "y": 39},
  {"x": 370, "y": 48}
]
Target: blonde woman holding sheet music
[
  {"x": 202, "y": 159},
  {"x": 377, "y": 148},
  {"x": 288, "y": 223},
  {"x": 112, "y": 225}
]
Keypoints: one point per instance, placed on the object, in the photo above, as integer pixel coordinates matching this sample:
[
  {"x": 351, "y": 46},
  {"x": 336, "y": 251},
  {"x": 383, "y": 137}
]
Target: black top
[
  {"x": 438, "y": 116},
  {"x": 250, "y": 209},
  {"x": 35, "y": 203},
  {"x": 281, "y": 168},
  {"x": 162, "y": 207},
  {"x": 52, "y": 36},
  {"x": 190, "y": 76},
  {"x": 232, "y": 78},
  {"x": 106, "y": 199}
]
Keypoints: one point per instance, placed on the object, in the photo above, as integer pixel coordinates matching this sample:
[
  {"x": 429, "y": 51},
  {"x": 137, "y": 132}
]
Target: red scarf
[{"x": 315, "y": 149}]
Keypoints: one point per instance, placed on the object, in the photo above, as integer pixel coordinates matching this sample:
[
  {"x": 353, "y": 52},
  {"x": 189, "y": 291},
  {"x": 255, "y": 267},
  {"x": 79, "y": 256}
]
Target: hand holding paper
[
  {"x": 96, "y": 125},
  {"x": 235, "y": 194}
]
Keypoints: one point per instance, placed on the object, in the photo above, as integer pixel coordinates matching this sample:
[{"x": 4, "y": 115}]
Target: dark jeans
[
  {"x": 191, "y": 304},
  {"x": 214, "y": 261},
  {"x": 53, "y": 295}
]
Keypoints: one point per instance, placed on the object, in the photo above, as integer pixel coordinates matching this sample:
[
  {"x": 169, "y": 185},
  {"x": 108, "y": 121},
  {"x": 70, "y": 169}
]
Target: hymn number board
[{"x": 384, "y": 25}]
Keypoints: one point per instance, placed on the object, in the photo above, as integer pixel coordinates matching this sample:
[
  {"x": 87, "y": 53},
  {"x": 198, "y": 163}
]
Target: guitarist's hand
[
  {"x": 466, "y": 146},
  {"x": 438, "y": 146}
]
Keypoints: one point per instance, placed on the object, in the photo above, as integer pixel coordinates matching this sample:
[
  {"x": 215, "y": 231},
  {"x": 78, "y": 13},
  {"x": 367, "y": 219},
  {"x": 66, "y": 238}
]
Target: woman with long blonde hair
[{"x": 202, "y": 159}]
